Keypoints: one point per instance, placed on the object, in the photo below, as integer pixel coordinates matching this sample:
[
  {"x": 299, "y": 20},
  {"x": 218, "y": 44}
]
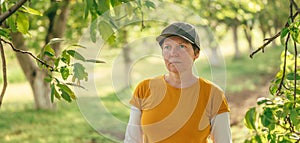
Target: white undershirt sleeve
[
  {"x": 220, "y": 132},
  {"x": 133, "y": 131}
]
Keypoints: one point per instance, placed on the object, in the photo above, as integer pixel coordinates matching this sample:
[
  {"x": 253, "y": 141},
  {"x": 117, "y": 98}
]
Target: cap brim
[{"x": 162, "y": 37}]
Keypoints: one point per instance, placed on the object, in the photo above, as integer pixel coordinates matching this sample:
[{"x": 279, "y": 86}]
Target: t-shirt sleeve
[
  {"x": 139, "y": 94},
  {"x": 224, "y": 106},
  {"x": 218, "y": 101}
]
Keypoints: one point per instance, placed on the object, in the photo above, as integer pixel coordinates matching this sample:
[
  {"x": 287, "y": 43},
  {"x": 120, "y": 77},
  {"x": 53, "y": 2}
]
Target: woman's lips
[{"x": 174, "y": 63}]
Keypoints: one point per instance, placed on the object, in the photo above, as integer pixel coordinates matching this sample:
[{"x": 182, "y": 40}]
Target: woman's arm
[
  {"x": 220, "y": 132},
  {"x": 134, "y": 132}
]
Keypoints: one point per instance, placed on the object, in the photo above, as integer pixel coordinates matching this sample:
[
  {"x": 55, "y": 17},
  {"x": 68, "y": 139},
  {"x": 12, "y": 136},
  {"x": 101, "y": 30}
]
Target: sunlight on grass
[{"x": 22, "y": 123}]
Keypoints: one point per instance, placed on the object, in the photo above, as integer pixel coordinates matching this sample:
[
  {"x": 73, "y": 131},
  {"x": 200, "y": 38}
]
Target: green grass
[
  {"x": 20, "y": 123},
  {"x": 248, "y": 74},
  {"x": 245, "y": 73},
  {"x": 14, "y": 73}
]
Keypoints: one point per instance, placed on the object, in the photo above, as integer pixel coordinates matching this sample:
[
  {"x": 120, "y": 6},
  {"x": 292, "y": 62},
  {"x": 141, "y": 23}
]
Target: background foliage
[{"x": 275, "y": 119}]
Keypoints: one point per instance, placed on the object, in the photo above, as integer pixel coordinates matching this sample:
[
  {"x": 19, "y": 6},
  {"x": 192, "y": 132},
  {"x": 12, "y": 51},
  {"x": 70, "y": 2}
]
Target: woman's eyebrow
[{"x": 168, "y": 42}]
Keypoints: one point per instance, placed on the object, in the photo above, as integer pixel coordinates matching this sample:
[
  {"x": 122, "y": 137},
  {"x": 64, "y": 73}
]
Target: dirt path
[{"x": 240, "y": 102}]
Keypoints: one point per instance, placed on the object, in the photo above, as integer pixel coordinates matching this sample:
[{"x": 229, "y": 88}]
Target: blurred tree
[
  {"x": 223, "y": 15},
  {"x": 23, "y": 26},
  {"x": 269, "y": 19},
  {"x": 34, "y": 74}
]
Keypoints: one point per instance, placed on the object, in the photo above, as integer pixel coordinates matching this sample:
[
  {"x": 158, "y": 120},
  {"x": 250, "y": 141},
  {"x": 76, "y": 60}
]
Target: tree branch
[
  {"x": 296, "y": 53},
  {"x": 29, "y": 53},
  {"x": 11, "y": 10},
  {"x": 284, "y": 65},
  {"x": 4, "y": 73},
  {"x": 269, "y": 40},
  {"x": 295, "y": 73},
  {"x": 295, "y": 5}
]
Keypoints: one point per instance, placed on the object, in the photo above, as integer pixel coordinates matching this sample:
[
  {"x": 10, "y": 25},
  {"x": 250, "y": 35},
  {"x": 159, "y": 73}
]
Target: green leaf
[
  {"x": 64, "y": 71},
  {"x": 250, "y": 118},
  {"x": 48, "y": 79},
  {"x": 67, "y": 90},
  {"x": 56, "y": 62},
  {"x": 268, "y": 119},
  {"x": 56, "y": 94},
  {"x": 79, "y": 71},
  {"x": 273, "y": 89},
  {"x": 88, "y": 7},
  {"x": 115, "y": 3},
  {"x": 4, "y": 32},
  {"x": 31, "y": 11},
  {"x": 93, "y": 31},
  {"x": 95, "y": 61},
  {"x": 247, "y": 141},
  {"x": 103, "y": 6},
  {"x": 295, "y": 117},
  {"x": 65, "y": 57},
  {"x": 11, "y": 23},
  {"x": 75, "y": 55},
  {"x": 52, "y": 93},
  {"x": 22, "y": 23},
  {"x": 283, "y": 33},
  {"x": 258, "y": 139},
  {"x": 49, "y": 51},
  {"x": 294, "y": 29},
  {"x": 106, "y": 31},
  {"x": 291, "y": 76},
  {"x": 65, "y": 96},
  {"x": 139, "y": 3},
  {"x": 150, "y": 4}
]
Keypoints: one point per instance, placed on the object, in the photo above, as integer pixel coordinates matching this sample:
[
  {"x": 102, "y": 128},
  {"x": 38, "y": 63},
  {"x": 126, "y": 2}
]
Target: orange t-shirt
[{"x": 171, "y": 115}]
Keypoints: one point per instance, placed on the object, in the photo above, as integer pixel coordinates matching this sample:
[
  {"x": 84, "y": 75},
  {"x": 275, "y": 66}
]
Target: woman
[{"x": 178, "y": 107}]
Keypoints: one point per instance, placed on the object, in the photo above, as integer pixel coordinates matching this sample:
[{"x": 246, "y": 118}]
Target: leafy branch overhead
[
  {"x": 3, "y": 17},
  {"x": 278, "y": 119},
  {"x": 107, "y": 24},
  {"x": 18, "y": 19},
  {"x": 60, "y": 68}
]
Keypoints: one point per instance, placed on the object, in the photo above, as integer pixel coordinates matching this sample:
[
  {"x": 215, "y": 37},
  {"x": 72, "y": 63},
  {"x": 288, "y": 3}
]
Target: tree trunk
[
  {"x": 214, "y": 57},
  {"x": 237, "y": 53},
  {"x": 57, "y": 24},
  {"x": 126, "y": 56},
  {"x": 34, "y": 75},
  {"x": 249, "y": 38}
]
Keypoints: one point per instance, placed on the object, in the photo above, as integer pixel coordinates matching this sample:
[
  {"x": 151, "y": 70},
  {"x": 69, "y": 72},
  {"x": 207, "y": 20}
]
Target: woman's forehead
[{"x": 175, "y": 39}]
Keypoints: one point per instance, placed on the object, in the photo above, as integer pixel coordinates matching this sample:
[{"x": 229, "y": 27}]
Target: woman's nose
[{"x": 174, "y": 51}]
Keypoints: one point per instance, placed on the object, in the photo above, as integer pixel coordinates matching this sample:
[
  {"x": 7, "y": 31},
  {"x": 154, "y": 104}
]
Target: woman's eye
[
  {"x": 181, "y": 46},
  {"x": 166, "y": 47}
]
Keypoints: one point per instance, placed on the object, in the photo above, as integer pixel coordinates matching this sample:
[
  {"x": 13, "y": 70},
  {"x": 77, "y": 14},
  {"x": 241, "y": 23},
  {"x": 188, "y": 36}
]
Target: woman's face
[{"x": 178, "y": 54}]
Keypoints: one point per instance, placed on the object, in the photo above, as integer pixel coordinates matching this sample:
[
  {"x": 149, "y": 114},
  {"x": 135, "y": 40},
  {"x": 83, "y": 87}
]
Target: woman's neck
[{"x": 180, "y": 80}]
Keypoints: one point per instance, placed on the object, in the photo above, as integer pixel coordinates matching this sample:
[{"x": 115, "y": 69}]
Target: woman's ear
[{"x": 196, "y": 55}]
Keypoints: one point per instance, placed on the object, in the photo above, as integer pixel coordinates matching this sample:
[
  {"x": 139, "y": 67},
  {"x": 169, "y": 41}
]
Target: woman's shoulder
[
  {"x": 146, "y": 82},
  {"x": 208, "y": 83}
]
